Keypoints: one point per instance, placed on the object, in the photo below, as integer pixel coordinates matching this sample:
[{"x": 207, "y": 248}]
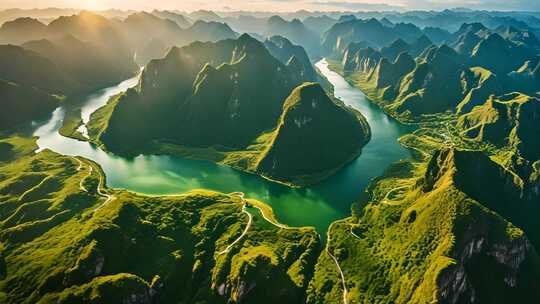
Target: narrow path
[
  {"x": 343, "y": 285},
  {"x": 250, "y": 219},
  {"x": 108, "y": 197},
  {"x": 385, "y": 200},
  {"x": 354, "y": 234},
  {"x": 79, "y": 168},
  {"x": 21, "y": 197}
]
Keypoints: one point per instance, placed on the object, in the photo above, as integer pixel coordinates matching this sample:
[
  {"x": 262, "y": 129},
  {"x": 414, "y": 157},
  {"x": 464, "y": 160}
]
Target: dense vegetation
[
  {"x": 63, "y": 240},
  {"x": 294, "y": 150},
  {"x": 231, "y": 97},
  {"x": 453, "y": 76},
  {"x": 457, "y": 223}
]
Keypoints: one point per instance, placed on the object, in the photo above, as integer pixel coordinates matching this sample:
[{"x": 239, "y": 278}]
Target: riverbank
[
  {"x": 368, "y": 87},
  {"x": 316, "y": 206}
]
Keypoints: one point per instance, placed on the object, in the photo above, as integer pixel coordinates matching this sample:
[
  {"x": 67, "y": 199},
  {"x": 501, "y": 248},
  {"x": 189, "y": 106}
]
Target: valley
[
  {"x": 311, "y": 156},
  {"x": 165, "y": 175}
]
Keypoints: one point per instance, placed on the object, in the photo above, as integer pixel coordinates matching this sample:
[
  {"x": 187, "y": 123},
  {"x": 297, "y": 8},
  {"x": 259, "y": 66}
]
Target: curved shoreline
[{"x": 160, "y": 175}]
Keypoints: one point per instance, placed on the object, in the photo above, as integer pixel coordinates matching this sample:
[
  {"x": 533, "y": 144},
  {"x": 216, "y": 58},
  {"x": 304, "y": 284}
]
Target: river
[{"x": 317, "y": 206}]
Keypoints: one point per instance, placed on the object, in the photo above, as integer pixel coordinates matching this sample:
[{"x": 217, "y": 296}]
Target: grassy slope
[
  {"x": 409, "y": 241},
  {"x": 59, "y": 244},
  {"x": 72, "y": 121}
]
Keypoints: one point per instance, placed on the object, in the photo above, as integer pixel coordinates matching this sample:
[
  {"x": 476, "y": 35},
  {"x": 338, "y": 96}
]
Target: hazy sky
[{"x": 276, "y": 5}]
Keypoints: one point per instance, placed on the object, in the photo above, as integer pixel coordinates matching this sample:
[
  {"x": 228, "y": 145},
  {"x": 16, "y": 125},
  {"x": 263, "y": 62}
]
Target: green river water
[{"x": 317, "y": 206}]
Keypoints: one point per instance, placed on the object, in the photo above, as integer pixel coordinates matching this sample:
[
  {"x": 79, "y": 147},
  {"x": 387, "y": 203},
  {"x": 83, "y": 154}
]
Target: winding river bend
[{"x": 316, "y": 206}]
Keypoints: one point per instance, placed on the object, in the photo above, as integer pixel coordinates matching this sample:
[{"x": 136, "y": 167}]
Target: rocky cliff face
[
  {"x": 491, "y": 241},
  {"x": 436, "y": 239},
  {"x": 287, "y": 53},
  {"x": 508, "y": 120}
]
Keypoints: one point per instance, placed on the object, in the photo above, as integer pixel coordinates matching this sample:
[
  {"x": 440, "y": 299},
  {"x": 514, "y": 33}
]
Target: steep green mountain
[
  {"x": 179, "y": 96},
  {"x": 372, "y": 31},
  {"x": 475, "y": 28},
  {"x": 180, "y": 19},
  {"x": 141, "y": 35},
  {"x": 399, "y": 46},
  {"x": 204, "y": 15},
  {"x": 427, "y": 237},
  {"x": 208, "y": 31},
  {"x": 88, "y": 26},
  {"x": 434, "y": 85},
  {"x": 527, "y": 78},
  {"x": 445, "y": 79},
  {"x": 20, "y": 104},
  {"x": 288, "y": 53},
  {"x": 466, "y": 43},
  {"x": 306, "y": 135},
  {"x": 386, "y": 74},
  {"x": 21, "y": 30},
  {"x": 491, "y": 49},
  {"x": 87, "y": 64},
  {"x": 30, "y": 69},
  {"x": 296, "y": 32},
  {"x": 222, "y": 102},
  {"x": 80, "y": 37},
  {"x": 319, "y": 24},
  {"x": 407, "y": 31},
  {"x": 480, "y": 85},
  {"x": 437, "y": 35},
  {"x": 392, "y": 50},
  {"x": 149, "y": 36},
  {"x": 419, "y": 45},
  {"x": 518, "y": 36},
  {"x": 358, "y": 58},
  {"x": 152, "y": 35},
  {"x": 510, "y": 119},
  {"x": 67, "y": 239},
  {"x": 105, "y": 36}
]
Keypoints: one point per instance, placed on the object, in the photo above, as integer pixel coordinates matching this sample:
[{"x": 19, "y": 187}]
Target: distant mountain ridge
[{"x": 446, "y": 78}]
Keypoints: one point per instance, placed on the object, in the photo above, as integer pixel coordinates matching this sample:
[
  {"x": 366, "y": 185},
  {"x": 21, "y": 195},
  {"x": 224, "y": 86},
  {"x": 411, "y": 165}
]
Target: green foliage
[
  {"x": 509, "y": 120},
  {"x": 306, "y": 136},
  {"x": 228, "y": 114},
  {"x": 71, "y": 123},
  {"x": 63, "y": 244},
  {"x": 22, "y": 103},
  {"x": 411, "y": 247}
]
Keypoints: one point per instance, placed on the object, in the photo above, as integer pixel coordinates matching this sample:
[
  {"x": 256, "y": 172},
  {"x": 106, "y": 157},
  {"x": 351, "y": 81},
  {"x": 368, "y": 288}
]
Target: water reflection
[{"x": 317, "y": 206}]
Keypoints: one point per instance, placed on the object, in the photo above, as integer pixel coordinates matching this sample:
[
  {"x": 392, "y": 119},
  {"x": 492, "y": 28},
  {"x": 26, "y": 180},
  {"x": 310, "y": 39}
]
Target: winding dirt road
[
  {"x": 343, "y": 284},
  {"x": 108, "y": 197},
  {"x": 250, "y": 220}
]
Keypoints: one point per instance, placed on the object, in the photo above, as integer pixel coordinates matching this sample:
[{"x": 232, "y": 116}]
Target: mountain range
[
  {"x": 445, "y": 78},
  {"x": 205, "y": 94}
]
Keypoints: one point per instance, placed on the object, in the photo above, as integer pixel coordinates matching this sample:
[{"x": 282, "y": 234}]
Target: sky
[{"x": 277, "y": 5}]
